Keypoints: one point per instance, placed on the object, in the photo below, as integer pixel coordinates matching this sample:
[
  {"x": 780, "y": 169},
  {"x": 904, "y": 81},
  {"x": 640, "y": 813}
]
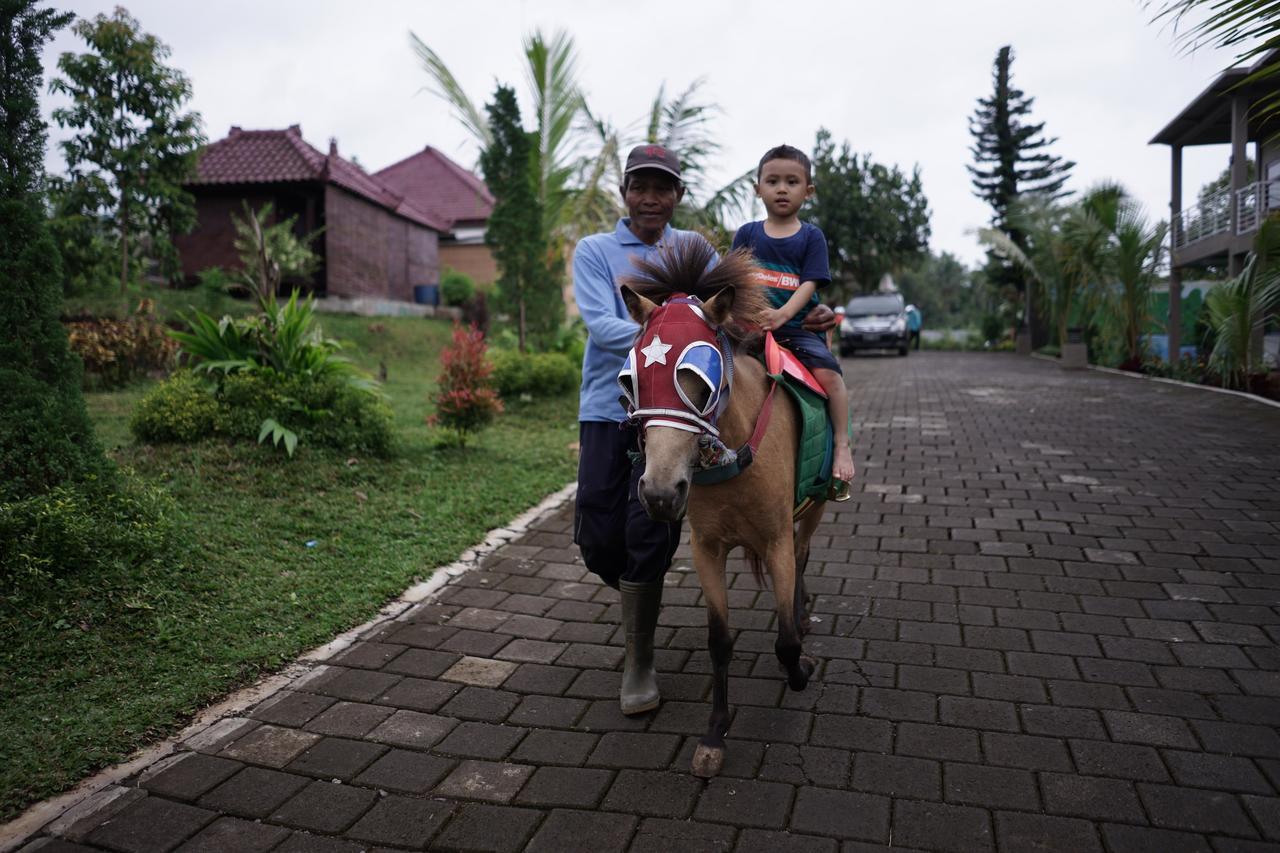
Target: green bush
[
  {"x": 544, "y": 374},
  {"x": 456, "y": 288},
  {"x": 321, "y": 410},
  {"x": 83, "y": 528},
  {"x": 181, "y": 409},
  {"x": 993, "y": 328}
]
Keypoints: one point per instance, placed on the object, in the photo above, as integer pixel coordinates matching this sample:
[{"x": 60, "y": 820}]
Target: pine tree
[
  {"x": 46, "y": 438},
  {"x": 1010, "y": 154},
  {"x": 1011, "y": 160},
  {"x": 527, "y": 284}
]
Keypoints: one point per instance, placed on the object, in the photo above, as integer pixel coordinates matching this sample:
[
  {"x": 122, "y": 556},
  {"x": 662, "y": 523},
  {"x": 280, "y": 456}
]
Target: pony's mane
[{"x": 681, "y": 267}]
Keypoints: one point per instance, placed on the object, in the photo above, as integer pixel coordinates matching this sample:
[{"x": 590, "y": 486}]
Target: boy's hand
[{"x": 772, "y": 319}]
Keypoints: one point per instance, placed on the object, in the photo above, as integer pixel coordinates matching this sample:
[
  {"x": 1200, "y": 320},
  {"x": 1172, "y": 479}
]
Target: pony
[{"x": 686, "y": 303}]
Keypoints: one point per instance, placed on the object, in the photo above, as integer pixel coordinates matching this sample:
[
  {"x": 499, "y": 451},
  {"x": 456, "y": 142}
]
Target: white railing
[
  {"x": 1210, "y": 216},
  {"x": 1254, "y": 203}
]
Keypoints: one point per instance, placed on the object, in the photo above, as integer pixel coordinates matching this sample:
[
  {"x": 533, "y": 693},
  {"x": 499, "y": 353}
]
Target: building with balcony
[{"x": 1219, "y": 229}]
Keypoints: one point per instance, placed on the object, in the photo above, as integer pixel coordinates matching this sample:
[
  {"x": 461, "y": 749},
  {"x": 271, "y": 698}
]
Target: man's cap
[{"x": 653, "y": 157}]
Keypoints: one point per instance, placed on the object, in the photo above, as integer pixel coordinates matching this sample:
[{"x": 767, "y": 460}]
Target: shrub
[
  {"x": 323, "y": 411},
  {"x": 456, "y": 288},
  {"x": 283, "y": 338},
  {"x": 466, "y": 401},
  {"x": 181, "y": 409},
  {"x": 993, "y": 328},
  {"x": 548, "y": 373},
  {"x": 83, "y": 527},
  {"x": 45, "y": 435},
  {"x": 115, "y": 352}
]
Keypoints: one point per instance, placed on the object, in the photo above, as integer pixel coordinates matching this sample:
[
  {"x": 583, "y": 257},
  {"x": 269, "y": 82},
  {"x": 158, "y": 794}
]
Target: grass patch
[{"x": 98, "y": 666}]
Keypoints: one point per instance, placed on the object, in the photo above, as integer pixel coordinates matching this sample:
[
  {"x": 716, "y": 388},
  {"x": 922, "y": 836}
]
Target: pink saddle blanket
[{"x": 780, "y": 360}]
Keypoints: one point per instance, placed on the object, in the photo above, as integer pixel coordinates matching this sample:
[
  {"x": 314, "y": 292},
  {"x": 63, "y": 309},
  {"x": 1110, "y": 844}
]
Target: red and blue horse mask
[{"x": 679, "y": 371}]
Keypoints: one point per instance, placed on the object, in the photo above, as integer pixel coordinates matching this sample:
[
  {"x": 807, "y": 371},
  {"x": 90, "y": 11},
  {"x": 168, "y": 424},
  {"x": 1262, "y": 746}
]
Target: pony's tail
[{"x": 757, "y": 566}]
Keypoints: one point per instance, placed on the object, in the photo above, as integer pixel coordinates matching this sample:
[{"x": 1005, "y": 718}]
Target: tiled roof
[
  {"x": 440, "y": 186},
  {"x": 273, "y": 156}
]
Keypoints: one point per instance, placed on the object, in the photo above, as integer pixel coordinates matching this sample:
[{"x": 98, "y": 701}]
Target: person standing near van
[{"x": 914, "y": 321}]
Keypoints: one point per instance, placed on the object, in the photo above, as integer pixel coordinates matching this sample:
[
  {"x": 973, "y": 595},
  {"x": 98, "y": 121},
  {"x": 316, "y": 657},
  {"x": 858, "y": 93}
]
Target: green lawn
[{"x": 276, "y": 556}]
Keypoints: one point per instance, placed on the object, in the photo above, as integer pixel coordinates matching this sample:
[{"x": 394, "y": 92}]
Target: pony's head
[{"x": 692, "y": 311}]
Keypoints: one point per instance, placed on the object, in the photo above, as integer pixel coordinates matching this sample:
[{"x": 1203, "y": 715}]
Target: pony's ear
[
  {"x": 637, "y": 306},
  {"x": 718, "y": 307}
]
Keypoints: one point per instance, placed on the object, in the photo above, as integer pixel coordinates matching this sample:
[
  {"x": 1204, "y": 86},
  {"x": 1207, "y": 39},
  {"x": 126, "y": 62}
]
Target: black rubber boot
[{"x": 640, "y": 605}]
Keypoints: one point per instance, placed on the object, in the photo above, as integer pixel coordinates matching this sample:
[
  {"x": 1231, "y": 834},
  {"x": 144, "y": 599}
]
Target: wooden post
[
  {"x": 1173, "y": 324},
  {"x": 1239, "y": 156}
]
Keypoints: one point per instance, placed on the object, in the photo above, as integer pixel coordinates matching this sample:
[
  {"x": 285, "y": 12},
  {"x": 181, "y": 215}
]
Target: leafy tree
[
  {"x": 944, "y": 290},
  {"x": 876, "y": 219},
  {"x": 1011, "y": 160},
  {"x": 527, "y": 284},
  {"x": 46, "y": 439},
  {"x": 133, "y": 144}
]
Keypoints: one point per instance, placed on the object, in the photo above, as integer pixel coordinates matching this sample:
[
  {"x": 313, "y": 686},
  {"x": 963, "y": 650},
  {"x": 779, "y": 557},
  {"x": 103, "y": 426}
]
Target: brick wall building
[
  {"x": 375, "y": 242},
  {"x": 439, "y": 186}
]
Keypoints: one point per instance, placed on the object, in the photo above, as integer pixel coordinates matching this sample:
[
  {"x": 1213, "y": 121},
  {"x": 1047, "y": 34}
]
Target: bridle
[{"x": 652, "y": 394}]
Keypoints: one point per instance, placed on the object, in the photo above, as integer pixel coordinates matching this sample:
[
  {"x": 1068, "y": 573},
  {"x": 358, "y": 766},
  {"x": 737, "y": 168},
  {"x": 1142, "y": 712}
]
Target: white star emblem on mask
[{"x": 656, "y": 351}]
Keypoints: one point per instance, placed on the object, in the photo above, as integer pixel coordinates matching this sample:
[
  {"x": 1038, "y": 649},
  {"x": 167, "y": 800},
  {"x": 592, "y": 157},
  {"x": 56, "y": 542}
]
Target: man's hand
[{"x": 820, "y": 319}]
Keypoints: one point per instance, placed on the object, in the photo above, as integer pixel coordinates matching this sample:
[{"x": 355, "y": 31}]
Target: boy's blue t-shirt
[{"x": 787, "y": 263}]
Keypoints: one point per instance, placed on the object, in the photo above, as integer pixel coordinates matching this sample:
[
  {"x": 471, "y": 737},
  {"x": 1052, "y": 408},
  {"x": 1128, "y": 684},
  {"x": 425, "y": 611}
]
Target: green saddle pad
[{"x": 815, "y": 451}]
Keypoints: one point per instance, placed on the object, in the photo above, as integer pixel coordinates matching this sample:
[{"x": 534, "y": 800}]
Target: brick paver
[{"x": 1048, "y": 620}]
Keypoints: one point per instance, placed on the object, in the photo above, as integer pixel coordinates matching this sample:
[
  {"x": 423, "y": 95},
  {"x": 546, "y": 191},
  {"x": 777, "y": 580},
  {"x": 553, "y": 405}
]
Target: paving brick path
[{"x": 1049, "y": 620}]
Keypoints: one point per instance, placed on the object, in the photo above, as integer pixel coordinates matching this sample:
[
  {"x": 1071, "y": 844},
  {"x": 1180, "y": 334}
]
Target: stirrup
[{"x": 839, "y": 491}]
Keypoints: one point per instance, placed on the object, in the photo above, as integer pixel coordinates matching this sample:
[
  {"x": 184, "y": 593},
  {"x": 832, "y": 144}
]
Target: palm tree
[
  {"x": 1250, "y": 26},
  {"x": 578, "y": 160},
  {"x": 1133, "y": 259},
  {"x": 551, "y": 76},
  {"x": 1239, "y": 308}
]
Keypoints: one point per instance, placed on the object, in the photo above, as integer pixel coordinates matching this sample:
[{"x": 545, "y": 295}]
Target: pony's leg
[
  {"x": 805, "y": 528},
  {"x": 708, "y": 758},
  {"x": 781, "y": 560}
]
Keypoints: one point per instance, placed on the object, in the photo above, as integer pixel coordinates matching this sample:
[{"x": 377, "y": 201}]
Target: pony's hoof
[
  {"x": 798, "y": 679},
  {"x": 707, "y": 761}
]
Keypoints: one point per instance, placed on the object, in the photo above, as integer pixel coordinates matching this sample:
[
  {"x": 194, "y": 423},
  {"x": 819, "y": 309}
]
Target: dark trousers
[
  {"x": 915, "y": 338},
  {"x": 617, "y": 538}
]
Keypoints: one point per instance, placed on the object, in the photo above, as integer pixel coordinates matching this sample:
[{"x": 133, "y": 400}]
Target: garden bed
[{"x": 276, "y": 556}]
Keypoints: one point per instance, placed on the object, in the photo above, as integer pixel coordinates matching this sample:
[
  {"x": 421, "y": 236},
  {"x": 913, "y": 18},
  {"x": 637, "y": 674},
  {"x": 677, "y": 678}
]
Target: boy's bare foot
[{"x": 842, "y": 468}]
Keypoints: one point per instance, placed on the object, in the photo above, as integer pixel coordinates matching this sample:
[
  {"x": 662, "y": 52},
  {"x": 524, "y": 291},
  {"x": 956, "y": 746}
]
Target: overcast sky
[{"x": 898, "y": 79}]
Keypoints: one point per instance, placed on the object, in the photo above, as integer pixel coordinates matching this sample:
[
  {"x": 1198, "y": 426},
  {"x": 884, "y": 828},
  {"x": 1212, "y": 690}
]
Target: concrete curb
[
  {"x": 104, "y": 791},
  {"x": 1254, "y": 397}
]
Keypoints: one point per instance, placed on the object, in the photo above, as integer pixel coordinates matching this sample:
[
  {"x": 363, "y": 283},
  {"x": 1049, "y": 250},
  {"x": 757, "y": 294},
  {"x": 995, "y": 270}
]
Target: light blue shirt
[
  {"x": 913, "y": 318},
  {"x": 599, "y": 263}
]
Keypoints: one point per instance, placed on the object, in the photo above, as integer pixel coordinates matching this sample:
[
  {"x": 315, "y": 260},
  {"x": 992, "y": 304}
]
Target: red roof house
[
  {"x": 377, "y": 241},
  {"x": 447, "y": 191}
]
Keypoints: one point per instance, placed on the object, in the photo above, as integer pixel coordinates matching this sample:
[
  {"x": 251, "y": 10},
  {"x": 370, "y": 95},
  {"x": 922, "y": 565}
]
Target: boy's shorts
[{"x": 808, "y": 347}]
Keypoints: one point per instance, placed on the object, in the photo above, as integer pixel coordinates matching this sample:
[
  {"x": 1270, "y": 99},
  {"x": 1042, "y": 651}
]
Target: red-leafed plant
[{"x": 466, "y": 401}]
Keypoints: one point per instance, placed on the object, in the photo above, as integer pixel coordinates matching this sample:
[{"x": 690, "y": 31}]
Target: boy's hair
[{"x": 786, "y": 152}]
